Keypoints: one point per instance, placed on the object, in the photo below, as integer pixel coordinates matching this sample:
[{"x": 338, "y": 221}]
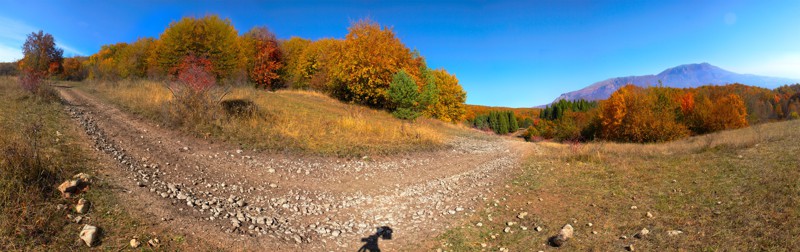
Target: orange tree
[
  {"x": 263, "y": 57},
  {"x": 368, "y": 59}
]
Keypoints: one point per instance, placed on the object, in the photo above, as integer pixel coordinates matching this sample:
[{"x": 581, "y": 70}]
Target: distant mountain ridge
[{"x": 683, "y": 76}]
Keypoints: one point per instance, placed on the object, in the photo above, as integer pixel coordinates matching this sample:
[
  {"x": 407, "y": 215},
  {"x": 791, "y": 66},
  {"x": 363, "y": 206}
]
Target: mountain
[{"x": 683, "y": 76}]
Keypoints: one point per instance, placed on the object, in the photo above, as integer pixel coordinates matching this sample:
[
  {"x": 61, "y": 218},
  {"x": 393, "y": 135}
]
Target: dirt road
[{"x": 242, "y": 200}]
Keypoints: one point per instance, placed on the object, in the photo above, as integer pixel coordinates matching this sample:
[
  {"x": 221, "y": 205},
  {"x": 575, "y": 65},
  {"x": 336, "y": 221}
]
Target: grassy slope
[
  {"x": 296, "y": 121},
  {"x": 29, "y": 214},
  {"x": 734, "y": 190}
]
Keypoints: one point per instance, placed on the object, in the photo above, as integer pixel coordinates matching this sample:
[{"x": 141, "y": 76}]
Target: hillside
[
  {"x": 286, "y": 121},
  {"x": 683, "y": 76},
  {"x": 731, "y": 190}
]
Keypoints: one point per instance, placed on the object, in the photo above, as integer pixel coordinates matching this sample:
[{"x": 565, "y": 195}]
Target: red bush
[
  {"x": 196, "y": 73},
  {"x": 30, "y": 80}
]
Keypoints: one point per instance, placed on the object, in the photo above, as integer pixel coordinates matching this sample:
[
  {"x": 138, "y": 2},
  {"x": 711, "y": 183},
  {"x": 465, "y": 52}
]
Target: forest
[{"x": 659, "y": 114}]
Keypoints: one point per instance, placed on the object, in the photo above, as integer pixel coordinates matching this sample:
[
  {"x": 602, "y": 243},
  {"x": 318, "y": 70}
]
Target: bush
[
  {"x": 196, "y": 96},
  {"x": 239, "y": 107}
]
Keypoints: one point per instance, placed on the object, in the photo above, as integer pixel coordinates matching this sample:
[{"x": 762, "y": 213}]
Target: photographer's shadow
[{"x": 371, "y": 242}]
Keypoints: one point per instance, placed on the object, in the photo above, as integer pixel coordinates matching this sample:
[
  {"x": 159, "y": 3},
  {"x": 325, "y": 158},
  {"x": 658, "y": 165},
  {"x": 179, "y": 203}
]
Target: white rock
[
  {"x": 642, "y": 234},
  {"x": 135, "y": 243},
  {"x": 564, "y": 234},
  {"x": 674, "y": 232},
  {"x": 522, "y": 215},
  {"x": 89, "y": 235},
  {"x": 649, "y": 215},
  {"x": 82, "y": 207}
]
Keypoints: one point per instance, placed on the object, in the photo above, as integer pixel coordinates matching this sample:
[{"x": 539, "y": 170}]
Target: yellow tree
[
  {"x": 450, "y": 105},
  {"x": 728, "y": 112},
  {"x": 209, "y": 37},
  {"x": 612, "y": 112},
  {"x": 293, "y": 49},
  {"x": 370, "y": 56}
]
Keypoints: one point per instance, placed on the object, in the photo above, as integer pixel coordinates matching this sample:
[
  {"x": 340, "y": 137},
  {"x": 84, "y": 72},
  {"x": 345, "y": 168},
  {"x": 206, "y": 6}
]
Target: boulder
[
  {"x": 563, "y": 235},
  {"x": 68, "y": 188},
  {"x": 89, "y": 235}
]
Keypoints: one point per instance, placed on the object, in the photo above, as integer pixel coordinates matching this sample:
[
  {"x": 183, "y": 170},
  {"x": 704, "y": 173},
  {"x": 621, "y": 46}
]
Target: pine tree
[
  {"x": 504, "y": 125},
  {"x": 404, "y": 95},
  {"x": 494, "y": 122},
  {"x": 514, "y": 126}
]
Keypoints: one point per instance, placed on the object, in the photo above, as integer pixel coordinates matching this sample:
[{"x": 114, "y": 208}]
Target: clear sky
[{"x": 505, "y": 53}]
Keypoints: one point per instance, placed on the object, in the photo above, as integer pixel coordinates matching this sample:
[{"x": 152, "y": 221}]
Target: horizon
[{"x": 539, "y": 50}]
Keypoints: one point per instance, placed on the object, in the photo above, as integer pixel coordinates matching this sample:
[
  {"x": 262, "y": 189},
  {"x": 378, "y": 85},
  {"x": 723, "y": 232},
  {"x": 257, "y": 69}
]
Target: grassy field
[
  {"x": 735, "y": 190},
  {"x": 295, "y": 121},
  {"x": 41, "y": 147}
]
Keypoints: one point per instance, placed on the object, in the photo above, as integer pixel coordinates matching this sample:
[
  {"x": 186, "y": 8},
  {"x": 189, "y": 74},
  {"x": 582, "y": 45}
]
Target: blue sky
[{"x": 505, "y": 53}]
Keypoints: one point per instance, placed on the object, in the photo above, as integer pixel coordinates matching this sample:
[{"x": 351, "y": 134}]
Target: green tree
[
  {"x": 404, "y": 96},
  {"x": 504, "y": 123},
  {"x": 512, "y": 122},
  {"x": 494, "y": 121},
  {"x": 429, "y": 98}
]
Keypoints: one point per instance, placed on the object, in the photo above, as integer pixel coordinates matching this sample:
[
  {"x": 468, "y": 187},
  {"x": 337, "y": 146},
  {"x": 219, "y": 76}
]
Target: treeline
[
  {"x": 501, "y": 122},
  {"x": 359, "y": 68},
  {"x": 656, "y": 114},
  {"x": 558, "y": 109}
]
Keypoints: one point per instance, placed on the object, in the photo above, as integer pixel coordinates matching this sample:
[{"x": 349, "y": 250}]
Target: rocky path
[{"x": 249, "y": 201}]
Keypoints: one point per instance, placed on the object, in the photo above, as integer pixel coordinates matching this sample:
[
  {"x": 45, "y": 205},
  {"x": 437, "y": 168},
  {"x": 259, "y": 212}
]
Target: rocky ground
[{"x": 248, "y": 200}]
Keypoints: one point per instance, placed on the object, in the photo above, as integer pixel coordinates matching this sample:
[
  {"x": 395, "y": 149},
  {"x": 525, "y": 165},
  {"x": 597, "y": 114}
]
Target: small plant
[{"x": 30, "y": 80}]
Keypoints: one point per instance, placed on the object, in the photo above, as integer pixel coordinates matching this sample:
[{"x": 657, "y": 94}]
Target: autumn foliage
[
  {"x": 196, "y": 74},
  {"x": 358, "y": 68},
  {"x": 369, "y": 57},
  {"x": 263, "y": 57},
  {"x": 657, "y": 114}
]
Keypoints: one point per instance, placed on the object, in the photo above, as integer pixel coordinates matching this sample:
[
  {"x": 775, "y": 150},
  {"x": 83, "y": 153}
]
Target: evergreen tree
[
  {"x": 494, "y": 121},
  {"x": 404, "y": 96},
  {"x": 503, "y": 125},
  {"x": 514, "y": 126}
]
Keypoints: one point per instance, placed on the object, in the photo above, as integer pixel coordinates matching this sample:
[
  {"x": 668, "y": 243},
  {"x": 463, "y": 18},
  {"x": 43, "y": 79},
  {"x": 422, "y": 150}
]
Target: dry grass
[
  {"x": 732, "y": 190},
  {"x": 294, "y": 121},
  {"x": 42, "y": 147}
]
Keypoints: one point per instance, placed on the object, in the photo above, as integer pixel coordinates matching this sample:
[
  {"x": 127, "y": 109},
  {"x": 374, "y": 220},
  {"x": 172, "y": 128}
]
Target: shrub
[
  {"x": 196, "y": 96},
  {"x": 30, "y": 80},
  {"x": 239, "y": 107}
]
